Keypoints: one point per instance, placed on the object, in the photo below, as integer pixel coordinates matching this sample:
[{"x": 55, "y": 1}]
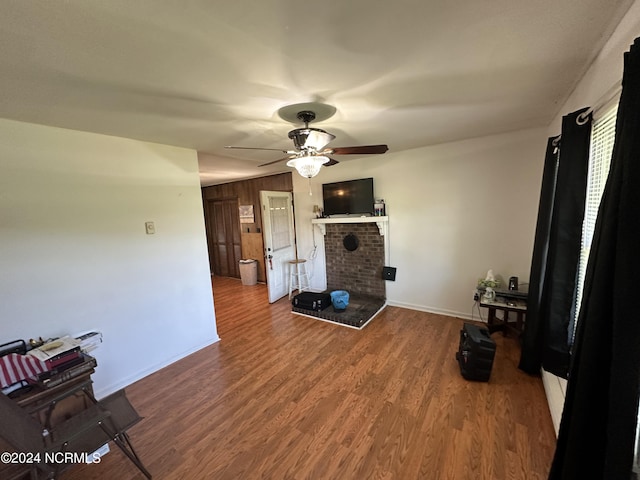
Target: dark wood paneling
[{"x": 246, "y": 192}]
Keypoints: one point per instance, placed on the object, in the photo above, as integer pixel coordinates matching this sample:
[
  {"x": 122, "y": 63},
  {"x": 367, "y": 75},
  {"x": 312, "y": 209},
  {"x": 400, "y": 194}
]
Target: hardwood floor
[{"x": 284, "y": 396}]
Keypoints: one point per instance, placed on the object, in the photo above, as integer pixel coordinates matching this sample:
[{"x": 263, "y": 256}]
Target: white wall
[
  {"x": 593, "y": 89},
  {"x": 455, "y": 210},
  {"x": 74, "y": 254}
]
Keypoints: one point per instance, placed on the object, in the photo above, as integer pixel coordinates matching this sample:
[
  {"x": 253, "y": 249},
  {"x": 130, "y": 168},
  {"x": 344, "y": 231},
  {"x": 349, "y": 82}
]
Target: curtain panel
[
  {"x": 556, "y": 254},
  {"x": 597, "y": 431}
]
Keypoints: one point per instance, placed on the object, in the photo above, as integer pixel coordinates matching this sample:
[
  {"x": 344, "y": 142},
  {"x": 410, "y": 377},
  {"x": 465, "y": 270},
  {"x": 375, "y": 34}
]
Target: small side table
[
  {"x": 64, "y": 395},
  {"x": 506, "y": 301},
  {"x": 496, "y": 324}
]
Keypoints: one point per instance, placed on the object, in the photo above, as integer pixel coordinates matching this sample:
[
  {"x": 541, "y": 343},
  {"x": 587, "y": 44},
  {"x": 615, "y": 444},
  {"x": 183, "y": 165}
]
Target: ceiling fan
[{"x": 310, "y": 153}]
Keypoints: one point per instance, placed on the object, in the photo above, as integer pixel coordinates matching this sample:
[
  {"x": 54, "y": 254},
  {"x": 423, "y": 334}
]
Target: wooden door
[{"x": 225, "y": 244}]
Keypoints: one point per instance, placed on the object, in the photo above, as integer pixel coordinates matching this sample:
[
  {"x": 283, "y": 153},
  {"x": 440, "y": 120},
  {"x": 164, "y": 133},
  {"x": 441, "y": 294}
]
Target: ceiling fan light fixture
[
  {"x": 310, "y": 138},
  {"x": 308, "y": 166},
  {"x": 310, "y": 153}
]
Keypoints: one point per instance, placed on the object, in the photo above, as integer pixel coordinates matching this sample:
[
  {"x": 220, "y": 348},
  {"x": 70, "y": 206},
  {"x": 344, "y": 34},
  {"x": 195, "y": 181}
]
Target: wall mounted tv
[{"x": 351, "y": 197}]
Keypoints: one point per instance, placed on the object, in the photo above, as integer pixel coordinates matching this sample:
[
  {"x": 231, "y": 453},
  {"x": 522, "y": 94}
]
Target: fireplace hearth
[{"x": 360, "y": 311}]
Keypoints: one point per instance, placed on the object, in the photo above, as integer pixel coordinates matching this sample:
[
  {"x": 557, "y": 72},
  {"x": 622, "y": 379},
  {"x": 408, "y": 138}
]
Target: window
[
  {"x": 636, "y": 461},
  {"x": 280, "y": 223},
  {"x": 603, "y": 135}
]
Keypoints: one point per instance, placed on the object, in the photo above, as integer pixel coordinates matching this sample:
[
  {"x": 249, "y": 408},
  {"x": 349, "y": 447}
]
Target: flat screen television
[{"x": 351, "y": 197}]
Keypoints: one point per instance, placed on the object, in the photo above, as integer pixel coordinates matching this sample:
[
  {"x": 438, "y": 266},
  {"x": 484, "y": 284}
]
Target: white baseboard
[
  {"x": 438, "y": 311},
  {"x": 125, "y": 382}
]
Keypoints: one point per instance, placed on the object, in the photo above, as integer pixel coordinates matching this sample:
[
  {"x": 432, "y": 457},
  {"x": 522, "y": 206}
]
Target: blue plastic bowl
[{"x": 340, "y": 299}]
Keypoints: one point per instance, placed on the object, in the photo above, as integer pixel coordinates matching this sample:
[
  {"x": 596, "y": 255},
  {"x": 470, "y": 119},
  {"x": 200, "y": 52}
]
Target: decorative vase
[{"x": 489, "y": 295}]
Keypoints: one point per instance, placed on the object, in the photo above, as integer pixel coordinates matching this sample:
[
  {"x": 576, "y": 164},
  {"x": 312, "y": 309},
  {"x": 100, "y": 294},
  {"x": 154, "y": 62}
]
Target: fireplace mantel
[{"x": 382, "y": 222}]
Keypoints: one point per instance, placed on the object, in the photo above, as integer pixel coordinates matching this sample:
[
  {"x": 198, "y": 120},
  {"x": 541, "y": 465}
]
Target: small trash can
[
  {"x": 249, "y": 272},
  {"x": 340, "y": 300}
]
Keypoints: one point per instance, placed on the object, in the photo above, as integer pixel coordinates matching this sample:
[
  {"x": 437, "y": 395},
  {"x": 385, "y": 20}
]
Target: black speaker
[{"x": 475, "y": 353}]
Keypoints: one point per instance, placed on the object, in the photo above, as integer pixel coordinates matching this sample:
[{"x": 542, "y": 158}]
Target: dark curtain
[
  {"x": 597, "y": 430},
  {"x": 556, "y": 253},
  {"x": 533, "y": 335}
]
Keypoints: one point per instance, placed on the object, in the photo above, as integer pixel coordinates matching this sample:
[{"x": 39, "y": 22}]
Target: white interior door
[{"x": 279, "y": 240}]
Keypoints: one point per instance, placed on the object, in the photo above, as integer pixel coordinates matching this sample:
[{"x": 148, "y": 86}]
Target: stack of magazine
[{"x": 65, "y": 360}]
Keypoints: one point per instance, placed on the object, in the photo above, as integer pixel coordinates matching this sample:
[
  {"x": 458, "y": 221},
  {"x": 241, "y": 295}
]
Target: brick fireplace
[{"x": 358, "y": 271}]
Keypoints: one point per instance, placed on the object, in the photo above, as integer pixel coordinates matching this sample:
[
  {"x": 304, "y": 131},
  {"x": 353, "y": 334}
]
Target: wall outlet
[
  {"x": 150, "y": 228},
  {"x": 476, "y": 296}
]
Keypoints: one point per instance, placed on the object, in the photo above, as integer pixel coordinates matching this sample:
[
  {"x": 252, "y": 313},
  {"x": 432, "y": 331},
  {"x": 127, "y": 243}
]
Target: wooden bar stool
[{"x": 298, "y": 275}]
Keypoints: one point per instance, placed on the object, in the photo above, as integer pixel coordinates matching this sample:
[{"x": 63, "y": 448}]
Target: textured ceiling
[{"x": 203, "y": 74}]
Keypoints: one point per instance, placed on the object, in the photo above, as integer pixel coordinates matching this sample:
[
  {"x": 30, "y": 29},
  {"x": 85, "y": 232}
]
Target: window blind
[{"x": 603, "y": 135}]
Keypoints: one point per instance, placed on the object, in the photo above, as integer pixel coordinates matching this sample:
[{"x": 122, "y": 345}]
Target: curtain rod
[{"x": 612, "y": 93}]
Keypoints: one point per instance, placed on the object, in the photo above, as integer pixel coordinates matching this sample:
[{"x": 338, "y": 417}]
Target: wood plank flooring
[{"x": 287, "y": 397}]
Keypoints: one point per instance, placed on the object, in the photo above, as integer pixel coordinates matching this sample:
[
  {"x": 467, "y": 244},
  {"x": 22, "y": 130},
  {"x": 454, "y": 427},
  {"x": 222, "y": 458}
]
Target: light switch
[{"x": 150, "y": 227}]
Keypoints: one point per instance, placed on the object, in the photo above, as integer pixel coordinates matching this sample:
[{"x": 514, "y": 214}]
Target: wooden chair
[{"x": 83, "y": 433}]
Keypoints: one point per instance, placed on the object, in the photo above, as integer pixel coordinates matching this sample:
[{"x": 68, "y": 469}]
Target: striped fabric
[{"x": 15, "y": 367}]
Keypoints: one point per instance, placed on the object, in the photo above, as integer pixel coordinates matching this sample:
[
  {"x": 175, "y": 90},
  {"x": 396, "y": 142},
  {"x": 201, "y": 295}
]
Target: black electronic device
[
  {"x": 389, "y": 273},
  {"x": 476, "y": 352},
  {"x": 311, "y": 301},
  {"x": 351, "y": 197}
]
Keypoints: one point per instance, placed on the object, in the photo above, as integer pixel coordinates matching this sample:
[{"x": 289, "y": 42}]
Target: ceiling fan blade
[
  {"x": 257, "y": 148},
  {"x": 358, "y": 150},
  {"x": 331, "y": 163},
  {"x": 275, "y": 161}
]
